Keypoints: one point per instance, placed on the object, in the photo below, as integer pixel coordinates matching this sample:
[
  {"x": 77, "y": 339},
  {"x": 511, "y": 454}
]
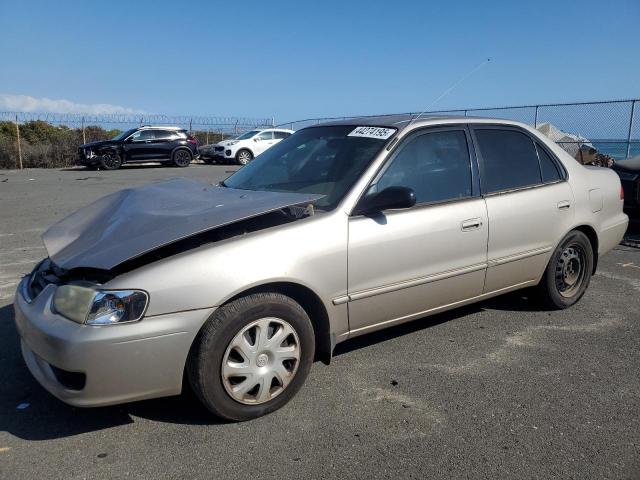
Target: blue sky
[{"x": 293, "y": 60}]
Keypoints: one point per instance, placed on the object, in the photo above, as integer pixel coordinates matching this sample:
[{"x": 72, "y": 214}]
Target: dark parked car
[
  {"x": 144, "y": 144},
  {"x": 629, "y": 172}
]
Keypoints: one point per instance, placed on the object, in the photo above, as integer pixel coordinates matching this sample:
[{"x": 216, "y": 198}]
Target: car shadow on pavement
[
  {"x": 519, "y": 301},
  {"x": 29, "y": 412}
]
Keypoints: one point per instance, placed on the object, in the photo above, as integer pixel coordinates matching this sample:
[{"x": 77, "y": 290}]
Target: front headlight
[
  {"x": 231, "y": 143},
  {"x": 99, "y": 307}
]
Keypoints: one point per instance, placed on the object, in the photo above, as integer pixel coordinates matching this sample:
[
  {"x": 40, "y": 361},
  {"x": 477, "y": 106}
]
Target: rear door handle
[
  {"x": 564, "y": 205},
  {"x": 471, "y": 224}
]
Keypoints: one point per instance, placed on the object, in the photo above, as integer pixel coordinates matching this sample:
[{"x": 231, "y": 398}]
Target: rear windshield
[{"x": 322, "y": 160}]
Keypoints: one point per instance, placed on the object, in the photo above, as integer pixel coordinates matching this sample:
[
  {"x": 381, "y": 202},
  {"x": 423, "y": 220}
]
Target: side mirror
[
  {"x": 389, "y": 198},
  {"x": 256, "y": 139}
]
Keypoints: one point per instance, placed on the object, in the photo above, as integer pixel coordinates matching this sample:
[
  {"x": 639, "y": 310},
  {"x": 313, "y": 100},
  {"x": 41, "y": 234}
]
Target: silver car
[{"x": 342, "y": 229}]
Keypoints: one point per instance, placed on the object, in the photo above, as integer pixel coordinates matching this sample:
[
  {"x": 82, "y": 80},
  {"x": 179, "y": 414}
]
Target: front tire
[
  {"x": 182, "y": 158},
  {"x": 244, "y": 156},
  {"x": 569, "y": 271},
  {"x": 110, "y": 161},
  {"x": 252, "y": 356}
]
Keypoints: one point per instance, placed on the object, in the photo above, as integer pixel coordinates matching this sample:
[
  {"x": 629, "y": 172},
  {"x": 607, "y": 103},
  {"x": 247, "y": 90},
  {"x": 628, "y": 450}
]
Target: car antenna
[{"x": 450, "y": 89}]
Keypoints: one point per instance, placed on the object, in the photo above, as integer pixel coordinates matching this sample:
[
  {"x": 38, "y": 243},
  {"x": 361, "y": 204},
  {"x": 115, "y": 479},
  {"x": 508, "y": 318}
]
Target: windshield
[
  {"x": 247, "y": 135},
  {"x": 322, "y": 160},
  {"x": 123, "y": 135}
]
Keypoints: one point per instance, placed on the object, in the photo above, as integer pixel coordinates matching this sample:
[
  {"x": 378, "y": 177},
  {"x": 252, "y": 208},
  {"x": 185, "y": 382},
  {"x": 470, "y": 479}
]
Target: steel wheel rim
[
  {"x": 182, "y": 157},
  {"x": 244, "y": 157},
  {"x": 110, "y": 160},
  {"x": 261, "y": 361},
  {"x": 570, "y": 270}
]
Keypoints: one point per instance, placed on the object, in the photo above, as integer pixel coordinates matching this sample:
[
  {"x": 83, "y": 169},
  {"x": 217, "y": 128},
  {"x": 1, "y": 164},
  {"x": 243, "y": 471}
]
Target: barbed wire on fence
[
  {"x": 613, "y": 126},
  {"x": 133, "y": 119},
  {"x": 614, "y": 123}
]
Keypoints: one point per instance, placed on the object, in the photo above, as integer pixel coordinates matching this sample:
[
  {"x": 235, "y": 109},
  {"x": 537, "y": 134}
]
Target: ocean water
[{"x": 616, "y": 148}]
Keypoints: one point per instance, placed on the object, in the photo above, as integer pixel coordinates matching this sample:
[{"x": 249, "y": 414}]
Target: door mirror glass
[{"x": 389, "y": 198}]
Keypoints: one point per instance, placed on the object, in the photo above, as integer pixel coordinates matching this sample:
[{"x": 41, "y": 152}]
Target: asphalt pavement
[{"x": 502, "y": 389}]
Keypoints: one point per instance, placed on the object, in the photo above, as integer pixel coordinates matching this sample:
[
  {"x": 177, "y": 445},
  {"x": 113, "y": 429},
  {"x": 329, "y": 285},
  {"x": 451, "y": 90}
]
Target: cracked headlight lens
[{"x": 99, "y": 307}]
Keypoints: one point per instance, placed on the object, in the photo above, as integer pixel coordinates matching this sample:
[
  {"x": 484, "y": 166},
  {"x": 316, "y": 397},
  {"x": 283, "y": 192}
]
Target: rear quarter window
[{"x": 548, "y": 166}]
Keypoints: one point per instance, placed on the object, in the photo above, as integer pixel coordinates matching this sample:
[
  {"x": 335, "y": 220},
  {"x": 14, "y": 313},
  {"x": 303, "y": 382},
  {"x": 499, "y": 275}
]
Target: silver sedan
[{"x": 342, "y": 229}]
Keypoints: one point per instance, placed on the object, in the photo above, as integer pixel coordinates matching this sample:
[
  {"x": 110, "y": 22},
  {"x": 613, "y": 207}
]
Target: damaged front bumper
[{"x": 88, "y": 366}]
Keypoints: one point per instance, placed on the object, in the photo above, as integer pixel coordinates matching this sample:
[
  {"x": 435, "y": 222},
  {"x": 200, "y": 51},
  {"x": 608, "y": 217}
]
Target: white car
[{"x": 249, "y": 145}]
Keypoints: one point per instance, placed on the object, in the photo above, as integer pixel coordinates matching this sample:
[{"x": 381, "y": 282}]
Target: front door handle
[
  {"x": 471, "y": 224},
  {"x": 564, "y": 205}
]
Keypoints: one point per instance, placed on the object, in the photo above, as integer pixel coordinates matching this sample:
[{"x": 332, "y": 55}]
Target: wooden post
[
  {"x": 207, "y": 141},
  {"x": 19, "y": 148},
  {"x": 84, "y": 138}
]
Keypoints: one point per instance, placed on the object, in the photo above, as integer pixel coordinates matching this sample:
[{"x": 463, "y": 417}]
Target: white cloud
[{"x": 25, "y": 103}]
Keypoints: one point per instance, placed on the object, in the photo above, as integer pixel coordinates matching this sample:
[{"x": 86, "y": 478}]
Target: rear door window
[
  {"x": 280, "y": 135},
  {"x": 163, "y": 134},
  {"x": 509, "y": 159}
]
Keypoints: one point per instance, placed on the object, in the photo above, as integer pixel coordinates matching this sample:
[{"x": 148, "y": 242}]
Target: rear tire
[
  {"x": 182, "y": 158},
  {"x": 569, "y": 271},
  {"x": 244, "y": 156},
  {"x": 238, "y": 373}
]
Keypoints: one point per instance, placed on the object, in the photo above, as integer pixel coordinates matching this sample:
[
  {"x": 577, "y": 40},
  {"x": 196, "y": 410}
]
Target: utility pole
[
  {"x": 84, "y": 138},
  {"x": 19, "y": 148}
]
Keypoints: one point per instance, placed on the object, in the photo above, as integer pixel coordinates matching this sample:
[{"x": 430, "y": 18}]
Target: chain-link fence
[
  {"x": 29, "y": 140},
  {"x": 612, "y": 127}
]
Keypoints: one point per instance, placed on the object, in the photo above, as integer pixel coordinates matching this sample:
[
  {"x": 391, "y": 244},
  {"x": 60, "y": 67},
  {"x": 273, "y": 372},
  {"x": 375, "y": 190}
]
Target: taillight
[
  {"x": 192, "y": 140},
  {"x": 621, "y": 193}
]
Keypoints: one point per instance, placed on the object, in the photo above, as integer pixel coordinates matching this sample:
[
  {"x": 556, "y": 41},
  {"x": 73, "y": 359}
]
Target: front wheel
[
  {"x": 182, "y": 158},
  {"x": 569, "y": 271},
  {"x": 244, "y": 156},
  {"x": 252, "y": 356},
  {"x": 110, "y": 161}
]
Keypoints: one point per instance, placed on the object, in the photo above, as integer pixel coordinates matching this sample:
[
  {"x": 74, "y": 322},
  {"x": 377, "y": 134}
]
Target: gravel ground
[{"x": 503, "y": 389}]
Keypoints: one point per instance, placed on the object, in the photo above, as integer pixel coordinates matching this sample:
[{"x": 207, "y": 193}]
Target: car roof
[
  {"x": 159, "y": 127},
  {"x": 273, "y": 129},
  {"x": 402, "y": 120}
]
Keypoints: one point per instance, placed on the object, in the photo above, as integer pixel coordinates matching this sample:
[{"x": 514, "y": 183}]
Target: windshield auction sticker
[{"x": 372, "y": 132}]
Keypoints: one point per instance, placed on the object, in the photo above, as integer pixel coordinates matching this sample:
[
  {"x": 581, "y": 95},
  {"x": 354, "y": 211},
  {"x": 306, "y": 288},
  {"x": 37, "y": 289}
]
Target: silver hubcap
[
  {"x": 570, "y": 270},
  {"x": 261, "y": 361}
]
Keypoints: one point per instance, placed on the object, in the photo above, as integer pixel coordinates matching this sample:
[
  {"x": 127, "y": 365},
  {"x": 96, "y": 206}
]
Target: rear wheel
[
  {"x": 252, "y": 356},
  {"x": 110, "y": 161},
  {"x": 569, "y": 271},
  {"x": 182, "y": 158},
  {"x": 244, "y": 156}
]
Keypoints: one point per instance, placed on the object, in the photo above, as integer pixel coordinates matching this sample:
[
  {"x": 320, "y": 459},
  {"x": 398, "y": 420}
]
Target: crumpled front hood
[{"x": 131, "y": 222}]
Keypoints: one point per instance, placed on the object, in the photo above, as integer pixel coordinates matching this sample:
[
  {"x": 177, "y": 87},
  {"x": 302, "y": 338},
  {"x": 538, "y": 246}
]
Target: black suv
[{"x": 143, "y": 144}]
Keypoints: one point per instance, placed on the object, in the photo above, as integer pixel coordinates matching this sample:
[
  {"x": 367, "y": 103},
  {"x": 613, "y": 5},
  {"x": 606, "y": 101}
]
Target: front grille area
[
  {"x": 44, "y": 274},
  {"x": 218, "y": 149}
]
